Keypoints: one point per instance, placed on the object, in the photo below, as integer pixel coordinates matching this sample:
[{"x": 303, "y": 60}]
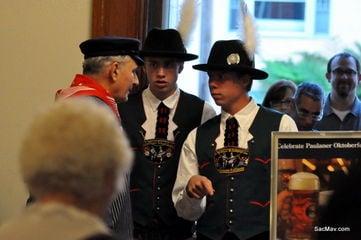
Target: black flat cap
[{"x": 111, "y": 46}]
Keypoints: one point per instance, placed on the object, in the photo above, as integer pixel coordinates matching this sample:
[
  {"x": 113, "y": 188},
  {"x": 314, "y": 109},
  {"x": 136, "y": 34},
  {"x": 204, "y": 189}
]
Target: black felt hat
[
  {"x": 111, "y": 46},
  {"x": 230, "y": 55},
  {"x": 165, "y": 43}
]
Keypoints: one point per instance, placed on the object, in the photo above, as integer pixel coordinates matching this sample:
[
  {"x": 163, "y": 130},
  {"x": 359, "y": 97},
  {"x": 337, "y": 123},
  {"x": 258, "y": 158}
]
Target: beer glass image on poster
[
  {"x": 304, "y": 188},
  {"x": 305, "y": 167}
]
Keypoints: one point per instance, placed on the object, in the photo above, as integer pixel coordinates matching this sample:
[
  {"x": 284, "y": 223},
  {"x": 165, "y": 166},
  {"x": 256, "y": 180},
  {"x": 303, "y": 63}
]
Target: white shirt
[
  {"x": 52, "y": 221},
  {"x": 340, "y": 114},
  {"x": 151, "y": 104},
  {"x": 191, "y": 208}
]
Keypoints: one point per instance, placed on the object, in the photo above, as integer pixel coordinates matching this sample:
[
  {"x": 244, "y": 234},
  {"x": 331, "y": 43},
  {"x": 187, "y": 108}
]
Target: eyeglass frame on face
[
  {"x": 305, "y": 114},
  {"x": 340, "y": 72}
]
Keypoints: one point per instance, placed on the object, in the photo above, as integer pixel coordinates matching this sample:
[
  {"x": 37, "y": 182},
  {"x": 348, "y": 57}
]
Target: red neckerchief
[{"x": 85, "y": 86}]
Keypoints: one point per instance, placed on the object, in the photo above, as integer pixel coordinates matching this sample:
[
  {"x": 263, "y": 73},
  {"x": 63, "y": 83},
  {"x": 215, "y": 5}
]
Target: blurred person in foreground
[
  {"x": 309, "y": 102},
  {"x": 280, "y": 96},
  {"x": 72, "y": 160}
]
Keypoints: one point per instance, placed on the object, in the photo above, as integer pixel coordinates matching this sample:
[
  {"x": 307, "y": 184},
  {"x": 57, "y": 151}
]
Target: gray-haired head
[
  {"x": 71, "y": 149},
  {"x": 311, "y": 90}
]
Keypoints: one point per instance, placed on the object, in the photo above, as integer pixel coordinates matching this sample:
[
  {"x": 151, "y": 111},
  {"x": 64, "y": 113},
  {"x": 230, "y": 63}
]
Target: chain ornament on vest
[
  {"x": 158, "y": 151},
  {"x": 231, "y": 159}
]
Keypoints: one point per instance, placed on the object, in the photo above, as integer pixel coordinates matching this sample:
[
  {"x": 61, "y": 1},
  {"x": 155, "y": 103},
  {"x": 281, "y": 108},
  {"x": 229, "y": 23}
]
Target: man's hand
[{"x": 199, "y": 186}]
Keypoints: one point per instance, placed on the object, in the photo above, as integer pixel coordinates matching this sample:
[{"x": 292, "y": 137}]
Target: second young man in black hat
[
  {"x": 157, "y": 121},
  {"x": 223, "y": 178}
]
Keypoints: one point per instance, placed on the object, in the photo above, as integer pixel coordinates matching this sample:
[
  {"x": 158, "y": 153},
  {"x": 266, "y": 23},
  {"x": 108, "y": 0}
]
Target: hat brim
[
  {"x": 137, "y": 59},
  {"x": 177, "y": 55},
  {"x": 253, "y": 72}
]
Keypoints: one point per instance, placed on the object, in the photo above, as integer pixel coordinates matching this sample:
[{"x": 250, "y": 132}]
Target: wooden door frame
[{"x": 128, "y": 18}]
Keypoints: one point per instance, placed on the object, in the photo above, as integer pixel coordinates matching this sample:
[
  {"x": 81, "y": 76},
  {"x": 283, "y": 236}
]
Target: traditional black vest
[
  {"x": 151, "y": 185},
  {"x": 241, "y": 201}
]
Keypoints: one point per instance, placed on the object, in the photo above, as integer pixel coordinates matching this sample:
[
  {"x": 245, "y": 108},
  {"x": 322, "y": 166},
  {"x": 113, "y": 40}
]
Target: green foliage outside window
[{"x": 309, "y": 67}]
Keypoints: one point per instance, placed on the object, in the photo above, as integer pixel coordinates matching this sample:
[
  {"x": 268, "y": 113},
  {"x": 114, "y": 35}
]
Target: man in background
[
  {"x": 309, "y": 101},
  {"x": 157, "y": 121},
  {"x": 72, "y": 160},
  {"x": 342, "y": 109}
]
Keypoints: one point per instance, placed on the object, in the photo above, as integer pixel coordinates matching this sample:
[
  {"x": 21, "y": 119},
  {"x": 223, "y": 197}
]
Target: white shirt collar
[
  {"x": 154, "y": 102},
  {"x": 250, "y": 107}
]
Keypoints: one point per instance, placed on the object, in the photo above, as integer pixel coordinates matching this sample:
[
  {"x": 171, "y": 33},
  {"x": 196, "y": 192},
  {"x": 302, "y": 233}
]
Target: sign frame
[{"x": 321, "y": 147}]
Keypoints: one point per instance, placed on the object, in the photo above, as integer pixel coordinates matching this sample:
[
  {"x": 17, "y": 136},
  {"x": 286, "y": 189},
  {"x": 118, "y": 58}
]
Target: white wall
[
  {"x": 39, "y": 54},
  {"x": 345, "y": 21}
]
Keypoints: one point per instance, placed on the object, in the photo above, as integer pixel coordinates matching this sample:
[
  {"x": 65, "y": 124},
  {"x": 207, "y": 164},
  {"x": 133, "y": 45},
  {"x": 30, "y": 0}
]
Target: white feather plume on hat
[
  {"x": 250, "y": 37},
  {"x": 187, "y": 19}
]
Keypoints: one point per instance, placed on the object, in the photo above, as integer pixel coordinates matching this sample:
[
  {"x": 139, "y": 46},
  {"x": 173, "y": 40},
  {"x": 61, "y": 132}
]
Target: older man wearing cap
[
  {"x": 109, "y": 74},
  {"x": 157, "y": 121},
  {"x": 223, "y": 178},
  {"x": 109, "y": 70}
]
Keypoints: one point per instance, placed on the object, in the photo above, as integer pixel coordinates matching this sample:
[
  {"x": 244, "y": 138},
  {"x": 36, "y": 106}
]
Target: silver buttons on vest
[
  {"x": 157, "y": 208},
  {"x": 231, "y": 190}
]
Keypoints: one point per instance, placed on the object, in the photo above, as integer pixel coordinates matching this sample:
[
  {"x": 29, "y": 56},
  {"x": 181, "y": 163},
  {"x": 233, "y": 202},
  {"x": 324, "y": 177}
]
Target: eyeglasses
[
  {"x": 316, "y": 116},
  {"x": 340, "y": 72},
  {"x": 279, "y": 103}
]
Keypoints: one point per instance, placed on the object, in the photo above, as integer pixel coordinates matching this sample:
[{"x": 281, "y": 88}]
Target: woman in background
[{"x": 280, "y": 96}]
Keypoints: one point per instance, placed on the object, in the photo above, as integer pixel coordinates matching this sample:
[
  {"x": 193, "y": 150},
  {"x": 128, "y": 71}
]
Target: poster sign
[{"x": 305, "y": 168}]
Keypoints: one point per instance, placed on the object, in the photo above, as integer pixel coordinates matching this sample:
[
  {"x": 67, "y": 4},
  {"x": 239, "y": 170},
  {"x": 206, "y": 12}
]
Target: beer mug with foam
[{"x": 305, "y": 188}]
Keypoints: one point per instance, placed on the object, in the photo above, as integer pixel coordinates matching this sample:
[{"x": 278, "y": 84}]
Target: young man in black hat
[
  {"x": 157, "y": 121},
  {"x": 109, "y": 73},
  {"x": 223, "y": 178}
]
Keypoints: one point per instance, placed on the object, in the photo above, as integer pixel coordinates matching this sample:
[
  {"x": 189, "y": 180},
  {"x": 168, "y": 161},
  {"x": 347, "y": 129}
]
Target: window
[
  {"x": 285, "y": 28},
  {"x": 233, "y": 15},
  {"x": 298, "y": 18},
  {"x": 279, "y": 10},
  {"x": 322, "y": 16}
]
